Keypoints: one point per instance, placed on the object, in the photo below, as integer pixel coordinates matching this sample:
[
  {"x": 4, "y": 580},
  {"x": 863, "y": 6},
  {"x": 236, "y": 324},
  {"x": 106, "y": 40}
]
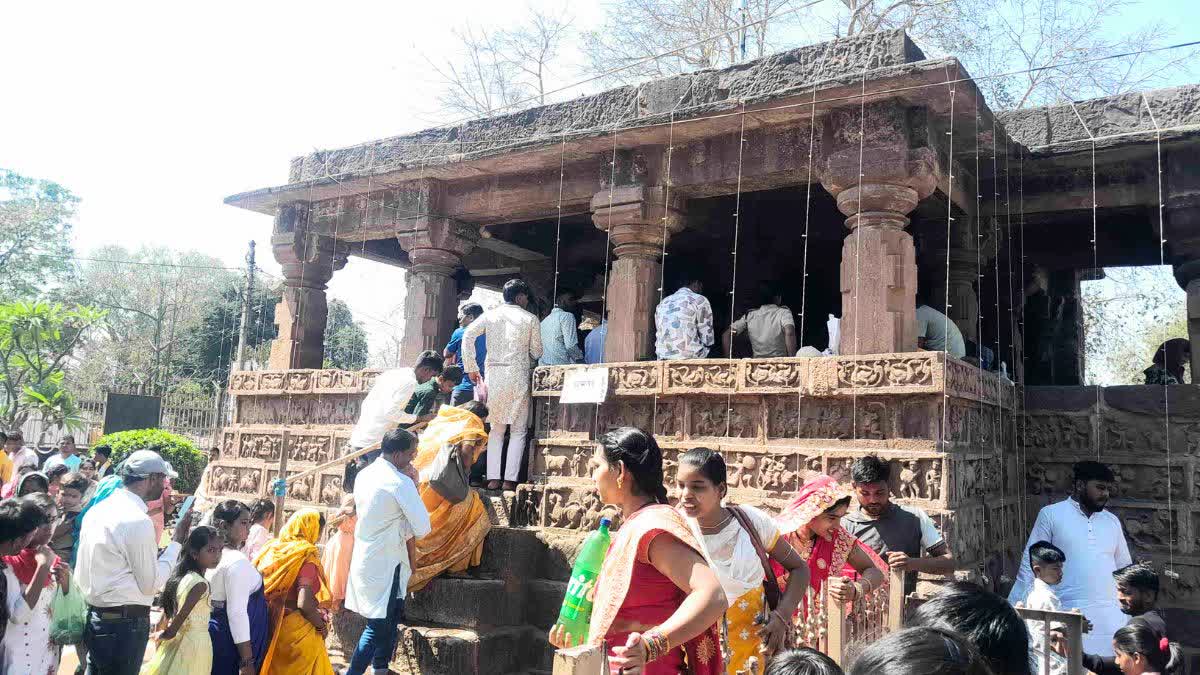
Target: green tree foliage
[
  {"x": 212, "y": 347},
  {"x": 345, "y": 339},
  {"x": 35, "y": 235},
  {"x": 157, "y": 300},
  {"x": 1126, "y": 316},
  {"x": 187, "y": 460},
  {"x": 37, "y": 339}
]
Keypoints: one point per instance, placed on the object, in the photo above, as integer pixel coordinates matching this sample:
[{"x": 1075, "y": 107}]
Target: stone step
[
  {"x": 543, "y": 599},
  {"x": 466, "y": 602},
  {"x": 514, "y": 552},
  {"x": 433, "y": 650}
]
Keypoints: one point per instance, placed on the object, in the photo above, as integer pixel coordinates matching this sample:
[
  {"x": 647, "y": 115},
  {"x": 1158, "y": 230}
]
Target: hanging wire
[
  {"x": 1162, "y": 261},
  {"x": 612, "y": 186},
  {"x": 662, "y": 268},
  {"x": 999, "y": 421},
  {"x": 737, "y": 226},
  {"x": 812, "y": 134},
  {"x": 562, "y": 170},
  {"x": 946, "y": 278},
  {"x": 979, "y": 275},
  {"x": 1022, "y": 448}
]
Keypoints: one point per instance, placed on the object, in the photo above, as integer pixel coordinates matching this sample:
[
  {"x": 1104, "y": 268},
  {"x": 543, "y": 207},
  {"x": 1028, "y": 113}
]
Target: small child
[
  {"x": 803, "y": 661},
  {"x": 72, "y": 487},
  {"x": 184, "y": 647},
  {"x": 27, "y": 647},
  {"x": 1047, "y": 560},
  {"x": 262, "y": 515}
]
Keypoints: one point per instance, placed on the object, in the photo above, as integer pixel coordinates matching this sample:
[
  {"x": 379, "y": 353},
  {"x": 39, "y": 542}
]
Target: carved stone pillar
[
  {"x": 1182, "y": 225},
  {"x": 962, "y": 298},
  {"x": 308, "y": 262},
  {"x": 639, "y": 221},
  {"x": 436, "y": 245},
  {"x": 877, "y": 181}
]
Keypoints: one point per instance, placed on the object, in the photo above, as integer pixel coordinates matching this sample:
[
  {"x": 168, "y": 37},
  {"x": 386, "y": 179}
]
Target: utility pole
[{"x": 247, "y": 299}]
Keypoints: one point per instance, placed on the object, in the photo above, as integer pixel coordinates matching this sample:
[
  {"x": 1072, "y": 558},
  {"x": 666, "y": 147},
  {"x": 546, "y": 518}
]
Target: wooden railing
[{"x": 1070, "y": 624}]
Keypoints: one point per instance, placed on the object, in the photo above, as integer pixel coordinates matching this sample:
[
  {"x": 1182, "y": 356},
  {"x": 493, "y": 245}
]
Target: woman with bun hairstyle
[
  {"x": 657, "y": 602},
  {"x": 1142, "y": 650}
]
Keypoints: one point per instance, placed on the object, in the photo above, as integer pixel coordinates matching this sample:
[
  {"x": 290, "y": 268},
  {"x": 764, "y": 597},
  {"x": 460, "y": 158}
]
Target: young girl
[
  {"x": 184, "y": 647},
  {"x": 27, "y": 648},
  {"x": 1142, "y": 650},
  {"x": 262, "y": 514}
]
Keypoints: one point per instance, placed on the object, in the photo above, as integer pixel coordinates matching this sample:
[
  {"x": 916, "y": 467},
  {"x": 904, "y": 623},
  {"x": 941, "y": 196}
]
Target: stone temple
[{"x": 842, "y": 173}]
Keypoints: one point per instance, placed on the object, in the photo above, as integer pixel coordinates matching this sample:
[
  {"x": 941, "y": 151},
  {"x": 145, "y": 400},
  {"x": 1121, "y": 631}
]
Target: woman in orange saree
[
  {"x": 812, "y": 523},
  {"x": 456, "y": 540},
  {"x": 657, "y": 602}
]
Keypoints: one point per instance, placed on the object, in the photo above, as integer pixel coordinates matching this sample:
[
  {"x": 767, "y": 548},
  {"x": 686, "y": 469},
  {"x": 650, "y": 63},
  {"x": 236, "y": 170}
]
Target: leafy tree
[
  {"x": 156, "y": 299},
  {"x": 37, "y": 339},
  {"x": 212, "y": 347},
  {"x": 1126, "y": 316},
  {"x": 186, "y": 459},
  {"x": 35, "y": 235},
  {"x": 345, "y": 339}
]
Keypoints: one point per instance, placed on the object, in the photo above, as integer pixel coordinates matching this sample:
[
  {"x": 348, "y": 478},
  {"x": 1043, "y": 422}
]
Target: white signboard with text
[{"x": 585, "y": 386}]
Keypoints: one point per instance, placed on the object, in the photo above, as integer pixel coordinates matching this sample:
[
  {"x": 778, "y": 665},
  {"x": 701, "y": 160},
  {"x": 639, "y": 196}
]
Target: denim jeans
[
  {"x": 115, "y": 646},
  {"x": 378, "y": 641}
]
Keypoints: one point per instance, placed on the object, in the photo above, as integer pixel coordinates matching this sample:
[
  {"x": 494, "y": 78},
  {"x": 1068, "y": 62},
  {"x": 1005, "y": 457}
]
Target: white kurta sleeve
[
  {"x": 535, "y": 339},
  {"x": 241, "y": 580},
  {"x": 414, "y": 509},
  {"x": 1122, "y": 556},
  {"x": 478, "y": 327},
  {"x": 1043, "y": 530}
]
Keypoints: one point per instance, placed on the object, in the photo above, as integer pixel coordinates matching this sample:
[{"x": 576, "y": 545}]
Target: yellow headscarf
[
  {"x": 281, "y": 559},
  {"x": 452, "y": 425}
]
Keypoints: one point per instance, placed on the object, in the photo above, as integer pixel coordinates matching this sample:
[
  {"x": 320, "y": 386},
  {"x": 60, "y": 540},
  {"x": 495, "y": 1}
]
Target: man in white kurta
[
  {"x": 1094, "y": 543},
  {"x": 514, "y": 342},
  {"x": 390, "y": 511}
]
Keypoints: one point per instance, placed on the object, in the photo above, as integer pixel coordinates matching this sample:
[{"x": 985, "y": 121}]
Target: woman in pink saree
[{"x": 812, "y": 524}]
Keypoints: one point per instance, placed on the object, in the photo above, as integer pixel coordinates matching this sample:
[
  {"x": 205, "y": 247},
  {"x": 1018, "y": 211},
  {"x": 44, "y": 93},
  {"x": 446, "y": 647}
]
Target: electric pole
[{"x": 247, "y": 300}]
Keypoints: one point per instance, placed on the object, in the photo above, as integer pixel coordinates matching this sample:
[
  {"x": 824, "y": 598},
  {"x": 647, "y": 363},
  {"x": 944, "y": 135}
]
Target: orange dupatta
[
  {"x": 280, "y": 562},
  {"x": 703, "y": 654}
]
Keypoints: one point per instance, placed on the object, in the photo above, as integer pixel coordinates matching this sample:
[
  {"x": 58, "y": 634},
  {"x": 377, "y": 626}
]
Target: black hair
[
  {"x": 431, "y": 361},
  {"x": 639, "y": 452},
  {"x": 87, "y": 460},
  {"x": 565, "y": 293},
  {"x": 74, "y": 481},
  {"x": 15, "y": 435},
  {"x": 870, "y": 469},
  {"x": 985, "y": 618},
  {"x": 844, "y": 501},
  {"x": 710, "y": 463},
  {"x": 1139, "y": 637},
  {"x": 767, "y": 294},
  {"x": 920, "y": 651},
  {"x": 1091, "y": 470},
  {"x": 57, "y": 471},
  {"x": 102, "y": 450},
  {"x": 227, "y": 512},
  {"x": 198, "y": 538},
  {"x": 803, "y": 661},
  {"x": 514, "y": 288},
  {"x": 688, "y": 277},
  {"x": 473, "y": 309},
  {"x": 477, "y": 408},
  {"x": 1139, "y": 575},
  {"x": 44, "y": 502},
  {"x": 261, "y": 508},
  {"x": 1045, "y": 553},
  {"x": 32, "y": 514},
  {"x": 398, "y": 440},
  {"x": 3, "y": 436},
  {"x": 452, "y": 373},
  {"x": 64, "y": 439},
  {"x": 18, "y": 519}
]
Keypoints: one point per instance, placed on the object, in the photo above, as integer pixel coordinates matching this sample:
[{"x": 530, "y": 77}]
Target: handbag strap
[{"x": 773, "y": 592}]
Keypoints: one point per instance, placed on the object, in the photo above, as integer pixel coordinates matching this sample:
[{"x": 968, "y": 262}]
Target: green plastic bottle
[{"x": 576, "y": 612}]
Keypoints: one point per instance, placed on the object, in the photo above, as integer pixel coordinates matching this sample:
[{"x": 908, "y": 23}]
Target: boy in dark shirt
[{"x": 426, "y": 397}]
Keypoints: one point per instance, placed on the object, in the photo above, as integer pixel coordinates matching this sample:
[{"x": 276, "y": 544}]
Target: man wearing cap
[{"x": 119, "y": 569}]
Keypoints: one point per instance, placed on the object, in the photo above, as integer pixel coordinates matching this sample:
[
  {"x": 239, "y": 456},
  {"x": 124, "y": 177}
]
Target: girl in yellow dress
[
  {"x": 753, "y": 632},
  {"x": 184, "y": 648}
]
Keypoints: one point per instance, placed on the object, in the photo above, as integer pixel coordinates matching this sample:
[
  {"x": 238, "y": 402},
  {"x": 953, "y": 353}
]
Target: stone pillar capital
[
  {"x": 639, "y": 219},
  {"x": 308, "y": 261}
]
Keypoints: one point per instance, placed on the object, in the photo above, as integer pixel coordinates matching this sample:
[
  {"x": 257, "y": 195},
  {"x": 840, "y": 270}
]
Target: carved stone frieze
[
  {"x": 298, "y": 381},
  {"x": 304, "y": 490},
  {"x": 242, "y": 480},
  {"x": 702, "y": 376},
  {"x": 1059, "y": 432},
  {"x": 330, "y": 409},
  {"x": 548, "y": 380},
  {"x": 716, "y": 417},
  {"x": 635, "y": 379},
  {"x": 331, "y": 489},
  {"x": 901, "y": 370},
  {"x": 1155, "y": 528},
  {"x": 261, "y": 446},
  {"x": 774, "y": 375}
]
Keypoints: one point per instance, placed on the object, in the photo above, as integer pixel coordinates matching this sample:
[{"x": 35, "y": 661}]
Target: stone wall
[
  {"x": 1150, "y": 436},
  {"x": 947, "y": 428},
  {"x": 306, "y": 413}
]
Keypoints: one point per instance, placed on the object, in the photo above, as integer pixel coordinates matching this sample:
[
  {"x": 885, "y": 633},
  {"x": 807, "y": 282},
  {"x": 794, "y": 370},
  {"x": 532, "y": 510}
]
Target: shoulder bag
[
  {"x": 447, "y": 476},
  {"x": 770, "y": 582}
]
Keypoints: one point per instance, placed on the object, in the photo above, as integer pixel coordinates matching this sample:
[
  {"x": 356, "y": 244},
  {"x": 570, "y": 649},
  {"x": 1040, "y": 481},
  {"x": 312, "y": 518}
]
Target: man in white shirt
[
  {"x": 117, "y": 570},
  {"x": 383, "y": 408},
  {"x": 67, "y": 455},
  {"x": 771, "y": 327},
  {"x": 390, "y": 512},
  {"x": 1093, "y": 542}
]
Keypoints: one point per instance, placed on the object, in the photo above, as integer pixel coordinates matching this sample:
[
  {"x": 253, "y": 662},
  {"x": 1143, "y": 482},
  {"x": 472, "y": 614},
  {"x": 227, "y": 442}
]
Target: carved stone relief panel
[
  {"x": 240, "y": 381},
  {"x": 907, "y": 370},
  {"x": 1005, "y": 529},
  {"x": 668, "y": 418},
  {"x": 774, "y": 375},
  {"x": 563, "y": 461},
  {"x": 574, "y": 508},
  {"x": 1154, "y": 528},
  {"x": 325, "y": 409},
  {"x": 367, "y": 379},
  {"x": 964, "y": 528},
  {"x": 331, "y": 489},
  {"x": 337, "y": 380},
  {"x": 548, "y": 380},
  {"x": 635, "y": 379},
  {"x": 718, "y": 417},
  {"x": 229, "y": 443},
  {"x": 1141, "y": 482},
  {"x": 304, "y": 490},
  {"x": 701, "y": 376},
  {"x": 1058, "y": 433},
  {"x": 261, "y": 446},
  {"x": 626, "y": 412},
  {"x": 228, "y": 480},
  {"x": 314, "y": 448}
]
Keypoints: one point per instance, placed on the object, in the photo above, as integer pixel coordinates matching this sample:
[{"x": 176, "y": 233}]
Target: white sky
[{"x": 153, "y": 112}]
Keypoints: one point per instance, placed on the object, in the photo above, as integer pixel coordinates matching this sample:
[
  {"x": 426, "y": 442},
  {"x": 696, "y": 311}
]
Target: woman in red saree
[
  {"x": 657, "y": 602},
  {"x": 812, "y": 524}
]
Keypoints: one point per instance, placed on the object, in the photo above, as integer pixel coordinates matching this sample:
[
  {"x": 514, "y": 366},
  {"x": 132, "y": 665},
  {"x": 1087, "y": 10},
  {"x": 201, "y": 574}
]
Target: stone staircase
[{"x": 493, "y": 621}]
